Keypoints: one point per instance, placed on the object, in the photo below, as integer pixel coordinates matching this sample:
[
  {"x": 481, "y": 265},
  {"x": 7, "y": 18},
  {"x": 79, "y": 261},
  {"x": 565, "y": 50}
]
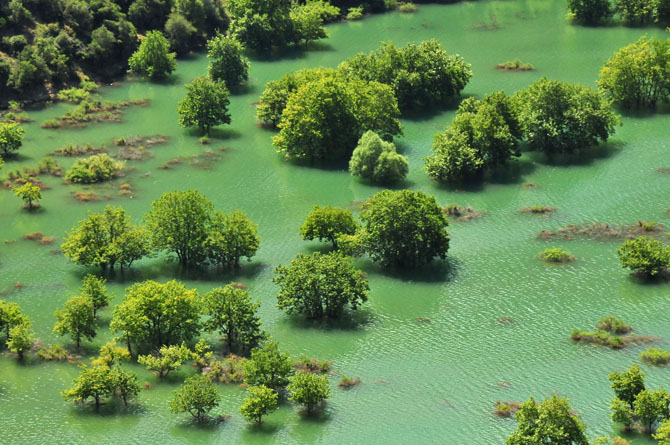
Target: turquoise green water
[{"x": 422, "y": 382}]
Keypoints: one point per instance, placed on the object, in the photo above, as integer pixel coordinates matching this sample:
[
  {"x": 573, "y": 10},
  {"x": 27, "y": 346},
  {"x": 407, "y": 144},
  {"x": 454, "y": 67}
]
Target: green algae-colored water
[{"x": 423, "y": 382}]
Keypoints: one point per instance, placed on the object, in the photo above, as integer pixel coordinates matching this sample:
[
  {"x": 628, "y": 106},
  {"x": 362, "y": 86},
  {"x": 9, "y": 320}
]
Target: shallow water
[{"x": 423, "y": 382}]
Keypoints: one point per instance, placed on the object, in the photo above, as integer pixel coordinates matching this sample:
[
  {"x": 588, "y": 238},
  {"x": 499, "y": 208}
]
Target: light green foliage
[
  {"x": 110, "y": 354},
  {"x": 655, "y": 356},
  {"x": 268, "y": 367},
  {"x": 29, "y": 193},
  {"x": 377, "y": 160},
  {"x": 94, "y": 382},
  {"x": 93, "y": 288},
  {"x": 76, "y": 319},
  {"x": 197, "y": 396},
  {"x": 231, "y": 237},
  {"x": 635, "y": 75},
  {"x": 590, "y": 12},
  {"x": 556, "y": 255},
  {"x": 205, "y": 105},
  {"x": 259, "y": 402},
  {"x": 202, "y": 354},
  {"x": 328, "y": 223},
  {"x": 178, "y": 222},
  {"x": 96, "y": 168},
  {"x": 233, "y": 315},
  {"x": 10, "y": 316},
  {"x": 11, "y": 138},
  {"x": 644, "y": 255},
  {"x": 355, "y": 13},
  {"x": 226, "y": 61},
  {"x": 559, "y": 117},
  {"x": 635, "y": 12},
  {"x": 622, "y": 413},
  {"x": 168, "y": 359},
  {"x": 404, "y": 228},
  {"x": 550, "y": 421},
  {"x": 613, "y": 324},
  {"x": 307, "y": 23},
  {"x": 21, "y": 338},
  {"x": 663, "y": 433},
  {"x": 452, "y": 160},
  {"x": 105, "y": 239},
  {"x": 320, "y": 286},
  {"x": 309, "y": 389},
  {"x": 351, "y": 245},
  {"x": 651, "y": 407},
  {"x": 153, "y": 58},
  {"x": 125, "y": 384},
  {"x": 327, "y": 12},
  {"x": 420, "y": 75},
  {"x": 158, "y": 314},
  {"x": 628, "y": 384}
]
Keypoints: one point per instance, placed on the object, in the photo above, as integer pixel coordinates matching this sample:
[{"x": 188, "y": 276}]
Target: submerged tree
[
  {"x": 309, "y": 389},
  {"x": 168, "y": 359},
  {"x": 94, "y": 289},
  {"x": 153, "y": 59},
  {"x": 550, "y": 421},
  {"x": 268, "y": 366},
  {"x": 11, "y": 138},
  {"x": 377, "y": 160},
  {"x": 30, "y": 194},
  {"x": 196, "y": 396},
  {"x": 328, "y": 223},
  {"x": 590, "y": 12},
  {"x": 231, "y": 237},
  {"x": 205, "y": 105},
  {"x": 77, "y": 319},
  {"x": 259, "y": 402},
  {"x": 644, "y": 255},
  {"x": 227, "y": 63}
]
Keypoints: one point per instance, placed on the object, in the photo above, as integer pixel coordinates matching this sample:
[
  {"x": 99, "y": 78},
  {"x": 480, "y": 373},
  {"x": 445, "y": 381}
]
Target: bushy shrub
[{"x": 97, "y": 168}]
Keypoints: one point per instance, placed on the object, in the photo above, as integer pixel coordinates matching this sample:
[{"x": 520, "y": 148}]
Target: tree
[
  {"x": 663, "y": 433},
  {"x": 96, "y": 168},
  {"x": 261, "y": 24},
  {"x": 94, "y": 289},
  {"x": 76, "y": 319},
  {"x": 105, "y": 239},
  {"x": 235, "y": 317},
  {"x": 652, "y": 406},
  {"x": 157, "y": 314},
  {"x": 319, "y": 286},
  {"x": 309, "y": 389},
  {"x": 635, "y": 12},
  {"x": 205, "y": 105},
  {"x": 634, "y": 76},
  {"x": 259, "y": 402},
  {"x": 11, "y": 138},
  {"x": 307, "y": 23},
  {"x": 21, "y": 338},
  {"x": 644, "y": 255},
  {"x": 590, "y": 12},
  {"x": 622, "y": 413},
  {"x": 328, "y": 223},
  {"x": 628, "y": 384},
  {"x": 268, "y": 367},
  {"x": 153, "y": 59},
  {"x": 558, "y": 117},
  {"x": 227, "y": 64},
  {"x": 125, "y": 384},
  {"x": 180, "y": 33},
  {"x": 94, "y": 382},
  {"x": 404, "y": 228},
  {"x": 179, "y": 222},
  {"x": 231, "y": 236},
  {"x": 29, "y": 193},
  {"x": 197, "y": 396},
  {"x": 377, "y": 160},
  {"x": 10, "y": 316},
  {"x": 168, "y": 359},
  {"x": 452, "y": 159},
  {"x": 550, "y": 421},
  {"x": 110, "y": 354}
]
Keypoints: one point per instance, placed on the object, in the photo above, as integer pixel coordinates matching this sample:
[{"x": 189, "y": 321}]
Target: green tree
[
  {"x": 95, "y": 382},
  {"x": 651, "y": 407},
  {"x": 205, "y": 105},
  {"x": 452, "y": 159},
  {"x": 180, "y": 33},
  {"x": 157, "y": 314},
  {"x": 125, "y": 384},
  {"x": 622, "y": 413},
  {"x": 558, "y": 117},
  {"x": 168, "y": 359},
  {"x": 590, "y": 12},
  {"x": 328, "y": 223},
  {"x": 10, "y": 316},
  {"x": 179, "y": 222},
  {"x": 404, "y": 228},
  {"x": 110, "y": 354},
  {"x": 319, "y": 286},
  {"x": 234, "y": 316},
  {"x": 11, "y": 138},
  {"x": 635, "y": 12},
  {"x": 377, "y": 160},
  {"x": 259, "y": 402},
  {"x": 21, "y": 338},
  {"x": 29, "y": 193},
  {"x": 309, "y": 389},
  {"x": 105, "y": 239},
  {"x": 261, "y": 24},
  {"x": 93, "y": 288},
  {"x": 226, "y": 61},
  {"x": 96, "y": 168},
  {"x": 268, "y": 367},
  {"x": 634, "y": 76},
  {"x": 644, "y": 255},
  {"x": 307, "y": 23},
  {"x": 628, "y": 384},
  {"x": 550, "y": 421},
  {"x": 153, "y": 59},
  {"x": 76, "y": 319},
  {"x": 197, "y": 396},
  {"x": 231, "y": 236},
  {"x": 663, "y": 433}
]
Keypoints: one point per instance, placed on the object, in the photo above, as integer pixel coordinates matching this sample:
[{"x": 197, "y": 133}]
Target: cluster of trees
[
  {"x": 180, "y": 222},
  {"x": 631, "y": 12},
  {"x": 644, "y": 255},
  {"x": 365, "y": 93},
  {"x": 47, "y": 42},
  {"x": 377, "y": 160},
  {"x": 16, "y": 328},
  {"x": 551, "y": 116}
]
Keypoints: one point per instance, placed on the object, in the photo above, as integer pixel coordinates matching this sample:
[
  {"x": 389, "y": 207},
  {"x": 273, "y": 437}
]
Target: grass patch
[
  {"x": 349, "y": 382},
  {"x": 602, "y": 231},
  {"x": 71, "y": 150},
  {"x": 605, "y": 334},
  {"x": 92, "y": 111},
  {"x": 614, "y": 325},
  {"x": 514, "y": 65},
  {"x": 655, "y": 356}
]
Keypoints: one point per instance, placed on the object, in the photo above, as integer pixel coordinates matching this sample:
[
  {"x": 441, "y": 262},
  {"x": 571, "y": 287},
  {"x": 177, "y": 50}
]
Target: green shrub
[
  {"x": 407, "y": 7},
  {"x": 655, "y": 356},
  {"x": 355, "y": 13},
  {"x": 97, "y": 168},
  {"x": 556, "y": 255},
  {"x": 614, "y": 324}
]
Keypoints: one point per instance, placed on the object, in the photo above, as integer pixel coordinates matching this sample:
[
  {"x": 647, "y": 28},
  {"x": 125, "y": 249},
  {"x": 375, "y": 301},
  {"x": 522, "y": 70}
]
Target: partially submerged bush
[
  {"x": 556, "y": 255},
  {"x": 542, "y": 210},
  {"x": 598, "y": 337},
  {"x": 349, "y": 382},
  {"x": 53, "y": 353},
  {"x": 407, "y": 7},
  {"x": 460, "y": 213},
  {"x": 514, "y": 65},
  {"x": 97, "y": 168},
  {"x": 655, "y": 356},
  {"x": 614, "y": 324},
  {"x": 307, "y": 364},
  {"x": 506, "y": 409}
]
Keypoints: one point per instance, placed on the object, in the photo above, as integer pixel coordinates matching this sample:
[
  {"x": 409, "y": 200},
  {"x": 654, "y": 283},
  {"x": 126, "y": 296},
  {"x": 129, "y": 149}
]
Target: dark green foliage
[
  {"x": 96, "y": 168},
  {"x": 328, "y": 223},
  {"x": 205, "y": 105},
  {"x": 268, "y": 366},
  {"x": 420, "y": 75},
  {"x": 319, "y": 286},
  {"x": 404, "y": 228},
  {"x": 377, "y": 160},
  {"x": 180, "y": 32},
  {"x": 153, "y": 59},
  {"x": 635, "y": 12},
  {"x": 644, "y": 255},
  {"x": 558, "y": 117},
  {"x": 227, "y": 63},
  {"x": 590, "y": 12},
  {"x": 628, "y": 384}
]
